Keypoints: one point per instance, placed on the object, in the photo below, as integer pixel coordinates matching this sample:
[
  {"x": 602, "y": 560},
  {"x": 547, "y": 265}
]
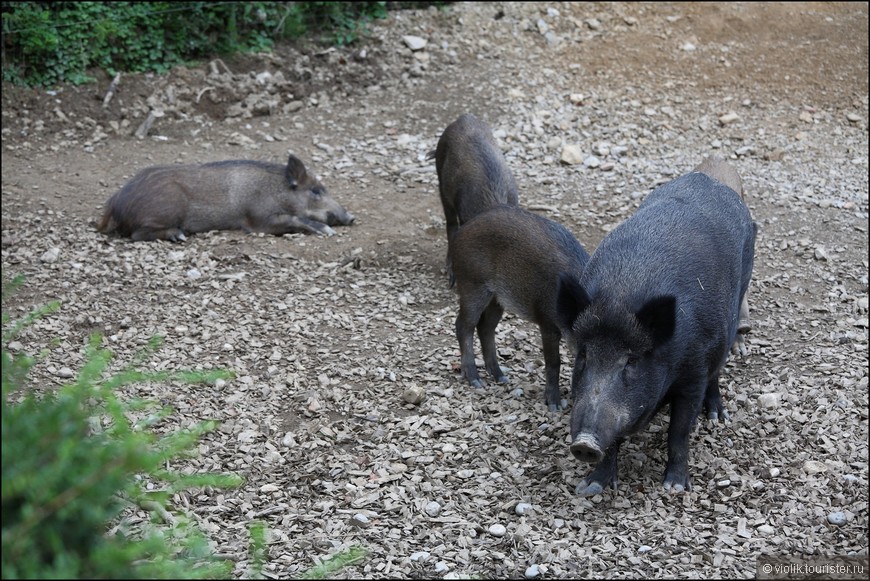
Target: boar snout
[
  {"x": 587, "y": 448},
  {"x": 342, "y": 218}
]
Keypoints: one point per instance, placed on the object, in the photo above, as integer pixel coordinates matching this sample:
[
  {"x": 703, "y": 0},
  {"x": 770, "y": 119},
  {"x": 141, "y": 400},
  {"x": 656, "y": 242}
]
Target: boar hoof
[
  {"x": 502, "y": 379},
  {"x": 327, "y": 231},
  {"x": 713, "y": 415},
  {"x": 673, "y": 485},
  {"x": 476, "y": 384},
  {"x": 589, "y": 488}
]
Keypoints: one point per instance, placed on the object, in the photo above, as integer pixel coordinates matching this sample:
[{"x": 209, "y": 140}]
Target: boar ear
[
  {"x": 571, "y": 300},
  {"x": 295, "y": 171},
  {"x": 659, "y": 317}
]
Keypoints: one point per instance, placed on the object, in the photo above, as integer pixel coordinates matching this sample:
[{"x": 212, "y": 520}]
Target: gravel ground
[{"x": 329, "y": 337}]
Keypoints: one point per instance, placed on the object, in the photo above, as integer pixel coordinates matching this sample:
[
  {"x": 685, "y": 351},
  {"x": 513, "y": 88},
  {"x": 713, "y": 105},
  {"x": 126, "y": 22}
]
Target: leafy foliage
[
  {"x": 73, "y": 461},
  {"x": 46, "y": 43}
]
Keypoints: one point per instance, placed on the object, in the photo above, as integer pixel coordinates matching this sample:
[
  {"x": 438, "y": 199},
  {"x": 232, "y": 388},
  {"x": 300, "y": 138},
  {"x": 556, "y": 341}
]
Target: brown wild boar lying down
[{"x": 166, "y": 202}]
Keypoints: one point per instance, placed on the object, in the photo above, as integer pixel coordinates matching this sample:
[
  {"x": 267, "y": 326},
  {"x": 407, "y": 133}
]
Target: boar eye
[
  {"x": 317, "y": 191},
  {"x": 632, "y": 360}
]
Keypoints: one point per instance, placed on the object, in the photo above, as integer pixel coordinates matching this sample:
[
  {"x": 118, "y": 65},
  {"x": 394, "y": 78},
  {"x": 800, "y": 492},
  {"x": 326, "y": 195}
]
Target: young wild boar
[
  {"x": 509, "y": 258},
  {"x": 165, "y": 202},
  {"x": 472, "y": 174},
  {"x": 654, "y": 315},
  {"x": 723, "y": 172}
]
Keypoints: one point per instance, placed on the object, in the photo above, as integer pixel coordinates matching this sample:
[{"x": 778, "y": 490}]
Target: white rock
[
  {"x": 414, "y": 395},
  {"x": 65, "y": 372},
  {"x": 815, "y": 467},
  {"x": 728, "y": 118},
  {"x": 768, "y": 400},
  {"x": 264, "y": 77},
  {"x": 533, "y": 572},
  {"x": 433, "y": 509},
  {"x": 267, "y": 488},
  {"x": 193, "y": 274},
  {"x": 420, "y": 556},
  {"x": 688, "y": 47},
  {"x": 50, "y": 255},
  {"x": 591, "y": 162},
  {"x": 853, "y": 117},
  {"x": 593, "y": 23},
  {"x": 572, "y": 154},
  {"x": 415, "y": 42},
  {"x": 723, "y": 483},
  {"x": 543, "y": 27},
  {"x": 441, "y": 567},
  {"x": 522, "y": 508},
  {"x": 766, "y": 530},
  {"x": 820, "y": 253},
  {"x": 837, "y": 518},
  {"x": 497, "y": 530},
  {"x": 644, "y": 549}
]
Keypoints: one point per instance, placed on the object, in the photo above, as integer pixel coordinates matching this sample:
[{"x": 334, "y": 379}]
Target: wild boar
[
  {"x": 654, "y": 315},
  {"x": 472, "y": 174},
  {"x": 509, "y": 258},
  {"x": 167, "y": 202},
  {"x": 723, "y": 172}
]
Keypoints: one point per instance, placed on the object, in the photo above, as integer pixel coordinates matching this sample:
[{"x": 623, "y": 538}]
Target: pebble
[
  {"x": 837, "y": 518},
  {"x": 644, "y": 549},
  {"x": 414, "y": 395},
  {"x": 815, "y": 467},
  {"x": 419, "y": 556},
  {"x": 414, "y": 42},
  {"x": 591, "y": 162},
  {"x": 50, "y": 255},
  {"x": 728, "y": 118},
  {"x": 193, "y": 274},
  {"x": 724, "y": 483},
  {"x": 688, "y": 47},
  {"x": 572, "y": 155},
  {"x": 522, "y": 508},
  {"x": 768, "y": 400},
  {"x": 65, "y": 372},
  {"x": 820, "y": 253},
  {"x": 533, "y": 572},
  {"x": 433, "y": 509},
  {"x": 853, "y": 117},
  {"x": 441, "y": 567},
  {"x": 497, "y": 530},
  {"x": 766, "y": 530}
]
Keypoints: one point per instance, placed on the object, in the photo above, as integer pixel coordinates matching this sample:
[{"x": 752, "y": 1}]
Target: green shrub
[
  {"x": 73, "y": 461},
  {"x": 46, "y": 43}
]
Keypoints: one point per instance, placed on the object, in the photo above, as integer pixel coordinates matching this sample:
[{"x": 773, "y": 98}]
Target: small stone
[
  {"x": 433, "y": 509},
  {"x": 768, "y": 400},
  {"x": 837, "y": 518},
  {"x": 414, "y": 395},
  {"x": 441, "y": 567},
  {"x": 644, "y": 549},
  {"x": 293, "y": 106},
  {"x": 50, "y": 255},
  {"x": 591, "y": 162},
  {"x": 688, "y": 47},
  {"x": 774, "y": 472},
  {"x": 414, "y": 42},
  {"x": 522, "y": 508},
  {"x": 766, "y": 530},
  {"x": 576, "y": 98},
  {"x": 723, "y": 483},
  {"x": 806, "y": 117},
  {"x": 853, "y": 117},
  {"x": 360, "y": 520},
  {"x": 533, "y": 572},
  {"x": 820, "y": 253},
  {"x": 193, "y": 274},
  {"x": 65, "y": 372},
  {"x": 593, "y": 23},
  {"x": 267, "y": 488},
  {"x": 497, "y": 530},
  {"x": 815, "y": 467},
  {"x": 728, "y": 118},
  {"x": 543, "y": 27},
  {"x": 419, "y": 556},
  {"x": 572, "y": 155}
]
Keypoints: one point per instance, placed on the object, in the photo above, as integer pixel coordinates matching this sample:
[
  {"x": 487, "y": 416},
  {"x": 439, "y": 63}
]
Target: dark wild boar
[
  {"x": 472, "y": 174},
  {"x": 723, "y": 172},
  {"x": 509, "y": 258},
  {"x": 654, "y": 315},
  {"x": 165, "y": 202}
]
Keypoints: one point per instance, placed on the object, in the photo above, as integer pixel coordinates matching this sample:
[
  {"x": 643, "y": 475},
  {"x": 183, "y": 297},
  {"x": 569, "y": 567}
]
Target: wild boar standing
[
  {"x": 168, "y": 202},
  {"x": 508, "y": 258},
  {"x": 654, "y": 315},
  {"x": 472, "y": 174}
]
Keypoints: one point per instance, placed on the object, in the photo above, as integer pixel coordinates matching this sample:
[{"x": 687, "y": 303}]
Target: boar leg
[
  {"x": 473, "y": 300},
  {"x": 550, "y": 337},
  {"x": 603, "y": 475},
  {"x": 684, "y": 413},
  {"x": 486, "y": 332},
  {"x": 148, "y": 233},
  {"x": 713, "y": 400}
]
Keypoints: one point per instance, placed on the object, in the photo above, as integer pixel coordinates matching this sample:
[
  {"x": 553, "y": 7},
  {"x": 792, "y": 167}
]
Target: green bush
[
  {"x": 73, "y": 461},
  {"x": 46, "y": 43}
]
